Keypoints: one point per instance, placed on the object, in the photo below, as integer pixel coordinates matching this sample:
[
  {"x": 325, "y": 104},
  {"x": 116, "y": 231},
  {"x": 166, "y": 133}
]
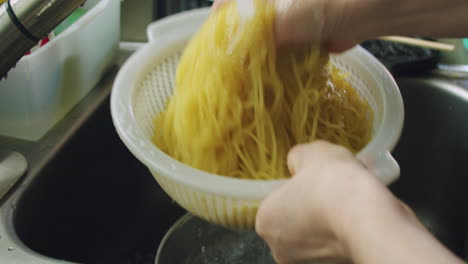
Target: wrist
[
  {"x": 360, "y": 203},
  {"x": 388, "y": 232},
  {"x": 370, "y": 19},
  {"x": 431, "y": 18},
  {"x": 365, "y": 213}
]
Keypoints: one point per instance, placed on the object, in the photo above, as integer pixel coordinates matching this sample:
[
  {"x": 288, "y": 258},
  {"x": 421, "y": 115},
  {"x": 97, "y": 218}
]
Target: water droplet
[
  {"x": 203, "y": 249},
  {"x": 11, "y": 248}
]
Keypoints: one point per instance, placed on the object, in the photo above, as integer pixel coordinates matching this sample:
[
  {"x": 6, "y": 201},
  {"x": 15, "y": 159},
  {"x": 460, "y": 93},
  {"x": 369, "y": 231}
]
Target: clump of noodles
[{"x": 241, "y": 103}]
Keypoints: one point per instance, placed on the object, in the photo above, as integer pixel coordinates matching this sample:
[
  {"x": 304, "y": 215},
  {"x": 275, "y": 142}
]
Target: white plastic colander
[{"x": 146, "y": 80}]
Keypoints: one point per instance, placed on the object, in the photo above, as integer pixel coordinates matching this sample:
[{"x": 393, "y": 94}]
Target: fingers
[
  {"x": 307, "y": 217},
  {"x": 299, "y": 22},
  {"x": 340, "y": 46},
  {"x": 271, "y": 216},
  {"x": 305, "y": 22},
  {"x": 294, "y": 220},
  {"x": 218, "y": 3},
  {"x": 301, "y": 156}
]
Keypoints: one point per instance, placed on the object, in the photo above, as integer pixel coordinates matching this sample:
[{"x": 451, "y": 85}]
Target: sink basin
[
  {"x": 93, "y": 202},
  {"x": 433, "y": 156}
]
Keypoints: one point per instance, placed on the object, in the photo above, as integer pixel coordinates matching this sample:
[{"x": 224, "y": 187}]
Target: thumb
[
  {"x": 302, "y": 155},
  {"x": 319, "y": 152},
  {"x": 295, "y": 158}
]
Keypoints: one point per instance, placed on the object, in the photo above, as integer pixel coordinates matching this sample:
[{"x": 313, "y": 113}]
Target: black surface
[
  {"x": 401, "y": 59},
  {"x": 95, "y": 203},
  {"x": 433, "y": 156}
]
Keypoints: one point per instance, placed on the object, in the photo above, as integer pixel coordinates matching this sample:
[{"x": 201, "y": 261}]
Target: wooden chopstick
[{"x": 420, "y": 43}]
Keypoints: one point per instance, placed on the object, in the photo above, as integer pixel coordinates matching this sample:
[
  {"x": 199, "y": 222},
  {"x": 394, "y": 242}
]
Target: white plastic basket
[
  {"x": 46, "y": 84},
  {"x": 147, "y": 79}
]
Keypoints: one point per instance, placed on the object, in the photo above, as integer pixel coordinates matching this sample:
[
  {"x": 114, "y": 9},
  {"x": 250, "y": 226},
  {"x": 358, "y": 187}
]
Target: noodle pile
[{"x": 241, "y": 103}]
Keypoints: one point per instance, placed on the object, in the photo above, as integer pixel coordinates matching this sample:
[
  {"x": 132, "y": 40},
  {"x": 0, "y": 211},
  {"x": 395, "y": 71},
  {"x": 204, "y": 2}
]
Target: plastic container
[
  {"x": 147, "y": 79},
  {"x": 46, "y": 84}
]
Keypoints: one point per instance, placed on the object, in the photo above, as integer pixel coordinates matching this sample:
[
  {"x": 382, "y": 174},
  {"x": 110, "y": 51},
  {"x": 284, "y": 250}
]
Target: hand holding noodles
[{"x": 241, "y": 103}]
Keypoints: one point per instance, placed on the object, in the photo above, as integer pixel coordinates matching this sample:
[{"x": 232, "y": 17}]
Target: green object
[
  {"x": 70, "y": 20},
  {"x": 465, "y": 43}
]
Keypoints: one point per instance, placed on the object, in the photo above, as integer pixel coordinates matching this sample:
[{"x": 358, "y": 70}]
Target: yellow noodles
[{"x": 240, "y": 103}]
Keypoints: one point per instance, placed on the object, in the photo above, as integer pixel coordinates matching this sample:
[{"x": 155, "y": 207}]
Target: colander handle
[
  {"x": 382, "y": 165},
  {"x": 177, "y": 25}
]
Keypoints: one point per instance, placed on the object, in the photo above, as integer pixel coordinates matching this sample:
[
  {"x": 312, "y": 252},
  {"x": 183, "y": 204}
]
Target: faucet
[{"x": 23, "y": 23}]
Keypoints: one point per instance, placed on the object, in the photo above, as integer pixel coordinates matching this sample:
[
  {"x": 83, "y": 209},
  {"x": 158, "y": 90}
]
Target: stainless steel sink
[
  {"x": 93, "y": 202},
  {"x": 86, "y": 199},
  {"x": 433, "y": 155}
]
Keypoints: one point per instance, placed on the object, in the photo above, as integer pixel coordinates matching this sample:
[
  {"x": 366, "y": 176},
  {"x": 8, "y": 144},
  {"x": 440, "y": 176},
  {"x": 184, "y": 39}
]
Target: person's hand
[
  {"x": 333, "y": 209},
  {"x": 305, "y": 21},
  {"x": 303, "y": 220},
  {"x": 336, "y": 24},
  {"x": 340, "y": 24}
]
